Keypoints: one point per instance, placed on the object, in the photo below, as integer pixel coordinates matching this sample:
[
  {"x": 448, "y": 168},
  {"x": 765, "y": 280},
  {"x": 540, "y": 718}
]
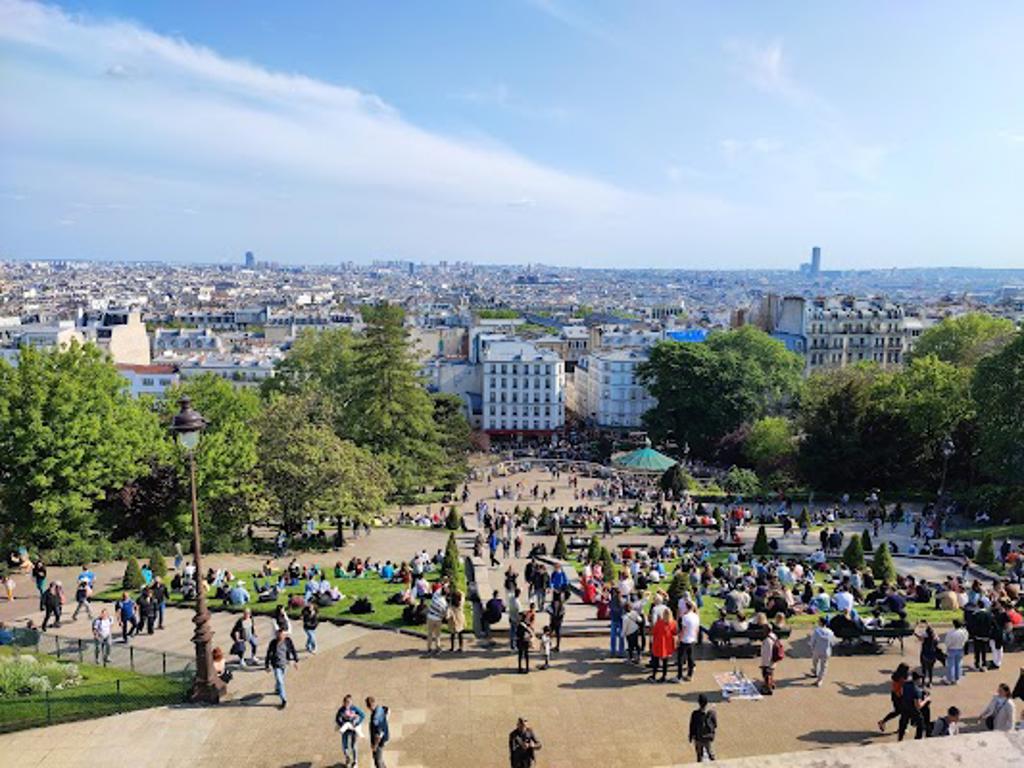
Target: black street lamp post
[
  {"x": 948, "y": 449},
  {"x": 188, "y": 424}
]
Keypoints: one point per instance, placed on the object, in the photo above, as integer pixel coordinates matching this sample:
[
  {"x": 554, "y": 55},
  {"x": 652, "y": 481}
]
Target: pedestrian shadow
[
  {"x": 861, "y": 690},
  {"x": 476, "y": 674},
  {"x": 249, "y": 700},
  {"x": 832, "y": 738}
]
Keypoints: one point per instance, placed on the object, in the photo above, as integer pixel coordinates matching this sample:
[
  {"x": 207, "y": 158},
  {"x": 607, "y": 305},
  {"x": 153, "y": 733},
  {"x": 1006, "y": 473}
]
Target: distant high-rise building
[
  {"x": 250, "y": 260},
  {"x": 815, "y": 260}
]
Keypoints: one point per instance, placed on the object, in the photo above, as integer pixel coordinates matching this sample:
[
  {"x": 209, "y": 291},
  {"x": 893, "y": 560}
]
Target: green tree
[
  {"x": 390, "y": 412},
  {"x": 771, "y": 445},
  {"x": 312, "y": 473},
  {"x": 761, "y": 547},
  {"x": 608, "y": 568},
  {"x": 132, "y": 580},
  {"x": 853, "y": 555},
  {"x": 453, "y": 522},
  {"x": 454, "y": 433},
  {"x": 704, "y": 391},
  {"x": 805, "y": 518},
  {"x": 998, "y": 389},
  {"x": 561, "y": 551},
  {"x": 230, "y": 486},
  {"x": 679, "y": 586},
  {"x": 865, "y": 541},
  {"x": 594, "y": 549},
  {"x": 741, "y": 482},
  {"x": 157, "y": 563},
  {"x": 676, "y": 481},
  {"x": 70, "y": 433},
  {"x": 319, "y": 361},
  {"x": 452, "y": 563},
  {"x": 965, "y": 340},
  {"x": 882, "y": 566},
  {"x": 987, "y": 550}
]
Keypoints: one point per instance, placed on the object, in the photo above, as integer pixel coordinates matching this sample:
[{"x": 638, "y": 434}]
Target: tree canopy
[
  {"x": 966, "y": 339},
  {"x": 998, "y": 389}
]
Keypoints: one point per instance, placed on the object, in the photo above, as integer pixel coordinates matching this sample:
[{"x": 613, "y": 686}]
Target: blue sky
[{"x": 660, "y": 133}]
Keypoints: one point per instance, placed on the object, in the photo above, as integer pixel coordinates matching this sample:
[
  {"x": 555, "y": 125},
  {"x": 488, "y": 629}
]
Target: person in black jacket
[
  {"x": 147, "y": 610},
  {"x": 280, "y": 651},
  {"x": 52, "y": 605},
  {"x": 703, "y": 724}
]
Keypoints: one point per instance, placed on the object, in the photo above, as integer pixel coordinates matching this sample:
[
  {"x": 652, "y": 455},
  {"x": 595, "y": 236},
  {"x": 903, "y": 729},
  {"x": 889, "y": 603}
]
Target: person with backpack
[
  {"x": 913, "y": 700},
  {"x": 772, "y": 652},
  {"x": 948, "y": 724},
  {"x": 703, "y": 724},
  {"x": 83, "y": 591},
  {"x": 379, "y": 731},
  {"x": 1000, "y": 714},
  {"x": 896, "y": 680}
]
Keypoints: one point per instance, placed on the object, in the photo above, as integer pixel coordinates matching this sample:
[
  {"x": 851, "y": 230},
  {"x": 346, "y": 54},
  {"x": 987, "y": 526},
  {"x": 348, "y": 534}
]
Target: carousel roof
[{"x": 644, "y": 459}]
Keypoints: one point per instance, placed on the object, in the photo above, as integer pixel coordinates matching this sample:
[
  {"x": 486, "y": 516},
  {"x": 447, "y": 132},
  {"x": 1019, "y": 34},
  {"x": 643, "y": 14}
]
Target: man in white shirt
[
  {"x": 842, "y": 600},
  {"x": 955, "y": 640},
  {"x": 689, "y": 633},
  {"x": 101, "y": 629}
]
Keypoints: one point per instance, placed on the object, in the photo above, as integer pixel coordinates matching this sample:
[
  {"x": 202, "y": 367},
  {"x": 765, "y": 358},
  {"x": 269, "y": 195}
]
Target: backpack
[
  {"x": 707, "y": 726},
  {"x": 778, "y": 651}
]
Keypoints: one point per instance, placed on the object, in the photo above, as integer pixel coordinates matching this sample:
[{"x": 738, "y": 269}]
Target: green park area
[{"x": 36, "y": 690}]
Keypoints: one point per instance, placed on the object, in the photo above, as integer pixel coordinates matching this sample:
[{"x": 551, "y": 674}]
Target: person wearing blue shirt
[
  {"x": 238, "y": 594},
  {"x": 559, "y": 581},
  {"x": 349, "y": 718},
  {"x": 147, "y": 574},
  {"x": 379, "y": 731},
  {"x": 126, "y": 615},
  {"x": 6, "y": 636},
  {"x": 388, "y": 571}
]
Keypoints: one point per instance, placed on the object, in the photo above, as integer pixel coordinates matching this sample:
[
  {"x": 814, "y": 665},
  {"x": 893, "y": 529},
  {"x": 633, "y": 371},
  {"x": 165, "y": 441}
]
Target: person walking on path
[
  {"x": 822, "y": 640},
  {"x": 1000, "y": 714},
  {"x": 310, "y": 621},
  {"x": 160, "y": 596},
  {"x": 955, "y": 642},
  {"x": 913, "y": 700},
  {"x": 102, "y": 629},
  {"x": 437, "y": 612},
  {"x": 663, "y": 645},
  {"x": 896, "y": 681},
  {"x": 689, "y": 633},
  {"x": 515, "y": 614},
  {"x": 616, "y": 641},
  {"x": 771, "y": 654},
  {"x": 125, "y": 611},
  {"x": 703, "y": 725},
  {"x": 457, "y": 618},
  {"x": 147, "y": 611},
  {"x": 379, "y": 731},
  {"x": 280, "y": 651},
  {"x": 349, "y": 717},
  {"x": 930, "y": 653},
  {"x": 52, "y": 604},
  {"x": 523, "y": 745},
  {"x": 244, "y": 634},
  {"x": 557, "y": 611},
  {"x": 39, "y": 574},
  {"x": 524, "y": 639},
  {"x": 83, "y": 591}
]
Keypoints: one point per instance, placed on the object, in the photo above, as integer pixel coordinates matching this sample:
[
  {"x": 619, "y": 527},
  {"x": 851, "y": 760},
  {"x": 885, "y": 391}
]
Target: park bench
[
  {"x": 573, "y": 527},
  {"x": 661, "y": 529},
  {"x": 578, "y": 542},
  {"x": 722, "y": 642},
  {"x": 868, "y": 640}
]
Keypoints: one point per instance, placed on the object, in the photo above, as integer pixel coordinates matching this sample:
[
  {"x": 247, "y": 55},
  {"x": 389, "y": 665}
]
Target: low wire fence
[{"x": 160, "y": 679}]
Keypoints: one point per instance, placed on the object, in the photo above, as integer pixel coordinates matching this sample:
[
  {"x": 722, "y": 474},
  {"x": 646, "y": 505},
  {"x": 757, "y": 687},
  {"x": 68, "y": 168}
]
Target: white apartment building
[
  {"x": 607, "y": 392},
  {"x": 836, "y": 332},
  {"x": 523, "y": 389},
  {"x": 14, "y": 335},
  {"x": 119, "y": 332},
  {"x": 242, "y": 371},
  {"x": 185, "y": 340},
  {"x": 153, "y": 380}
]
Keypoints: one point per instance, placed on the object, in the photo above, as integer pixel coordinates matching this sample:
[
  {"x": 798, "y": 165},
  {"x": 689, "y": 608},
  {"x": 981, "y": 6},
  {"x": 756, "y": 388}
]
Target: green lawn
[
  {"x": 998, "y": 532},
  {"x": 102, "y": 691},
  {"x": 371, "y": 586}
]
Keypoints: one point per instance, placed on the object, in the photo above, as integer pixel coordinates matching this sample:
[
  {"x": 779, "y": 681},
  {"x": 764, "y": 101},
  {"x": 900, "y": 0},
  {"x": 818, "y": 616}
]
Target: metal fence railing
[
  {"x": 145, "y": 661},
  {"x": 162, "y": 678}
]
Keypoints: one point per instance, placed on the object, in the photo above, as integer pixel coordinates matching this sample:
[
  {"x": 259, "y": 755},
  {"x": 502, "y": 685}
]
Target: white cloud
[{"x": 766, "y": 67}]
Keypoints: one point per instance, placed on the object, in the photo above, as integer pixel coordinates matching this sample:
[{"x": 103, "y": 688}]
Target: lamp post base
[{"x": 207, "y": 692}]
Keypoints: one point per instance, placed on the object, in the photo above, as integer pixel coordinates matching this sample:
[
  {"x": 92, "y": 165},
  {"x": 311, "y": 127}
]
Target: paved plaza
[{"x": 456, "y": 710}]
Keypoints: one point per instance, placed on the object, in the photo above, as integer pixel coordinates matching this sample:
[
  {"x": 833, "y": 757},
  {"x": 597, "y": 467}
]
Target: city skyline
[{"x": 729, "y": 139}]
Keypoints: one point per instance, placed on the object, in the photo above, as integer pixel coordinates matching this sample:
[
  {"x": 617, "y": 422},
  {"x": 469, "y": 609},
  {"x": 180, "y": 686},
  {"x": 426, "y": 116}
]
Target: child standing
[{"x": 545, "y": 644}]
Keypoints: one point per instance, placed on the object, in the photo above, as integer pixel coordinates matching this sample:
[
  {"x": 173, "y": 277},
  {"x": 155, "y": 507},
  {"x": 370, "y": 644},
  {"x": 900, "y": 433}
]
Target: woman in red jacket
[{"x": 663, "y": 644}]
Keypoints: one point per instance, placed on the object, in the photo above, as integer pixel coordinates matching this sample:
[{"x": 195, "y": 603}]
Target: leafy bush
[
  {"x": 882, "y": 567},
  {"x": 132, "y": 580},
  {"x": 594, "y": 549},
  {"x": 454, "y": 520},
  {"x": 158, "y": 563},
  {"x": 761, "y": 547},
  {"x": 561, "y": 551},
  {"x": 865, "y": 541},
  {"x": 26, "y": 675},
  {"x": 451, "y": 563},
  {"x": 675, "y": 480},
  {"x": 607, "y": 565},
  {"x": 741, "y": 482},
  {"x": 853, "y": 556},
  {"x": 987, "y": 551},
  {"x": 679, "y": 585},
  {"x": 805, "y": 518}
]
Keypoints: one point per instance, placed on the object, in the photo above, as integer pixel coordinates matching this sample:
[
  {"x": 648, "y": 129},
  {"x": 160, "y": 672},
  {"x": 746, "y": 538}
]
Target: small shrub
[
  {"x": 865, "y": 541},
  {"x": 561, "y": 551},
  {"x": 157, "y": 563},
  {"x": 882, "y": 566},
  {"x": 132, "y": 580},
  {"x": 853, "y": 556},
  {"x": 987, "y": 551},
  {"x": 761, "y": 547},
  {"x": 454, "y": 520}
]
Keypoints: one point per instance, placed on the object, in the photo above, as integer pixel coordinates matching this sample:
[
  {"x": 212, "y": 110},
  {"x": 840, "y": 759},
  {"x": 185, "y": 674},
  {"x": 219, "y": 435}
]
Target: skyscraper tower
[
  {"x": 250, "y": 260},
  {"x": 815, "y": 260}
]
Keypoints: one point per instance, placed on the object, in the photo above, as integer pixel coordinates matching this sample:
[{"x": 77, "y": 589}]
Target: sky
[{"x": 570, "y": 132}]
